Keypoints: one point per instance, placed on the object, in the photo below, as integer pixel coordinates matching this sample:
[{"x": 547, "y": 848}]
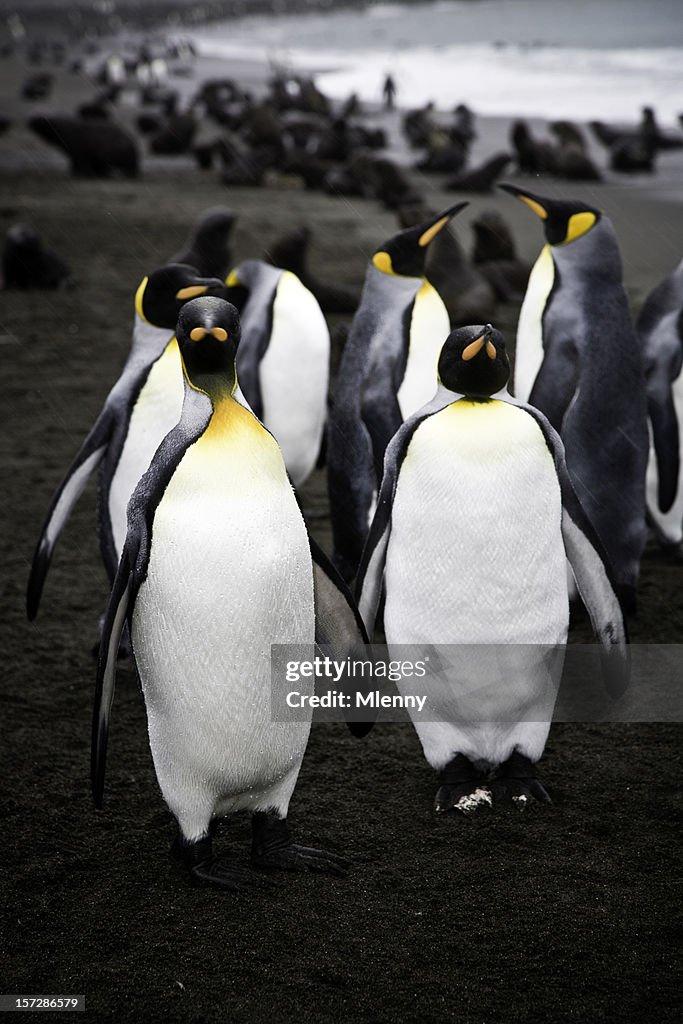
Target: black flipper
[
  {"x": 338, "y": 624},
  {"x": 664, "y": 422},
  {"x": 592, "y": 569},
  {"x": 118, "y": 612},
  {"x": 556, "y": 382},
  {"x": 89, "y": 456}
]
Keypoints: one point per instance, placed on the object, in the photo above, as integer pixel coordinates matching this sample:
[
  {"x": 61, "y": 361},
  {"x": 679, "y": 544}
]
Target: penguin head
[
  {"x": 161, "y": 295},
  {"x": 474, "y": 362},
  {"x": 208, "y": 333},
  {"x": 404, "y": 254},
  {"x": 211, "y": 240},
  {"x": 242, "y": 279},
  {"x": 564, "y": 220}
]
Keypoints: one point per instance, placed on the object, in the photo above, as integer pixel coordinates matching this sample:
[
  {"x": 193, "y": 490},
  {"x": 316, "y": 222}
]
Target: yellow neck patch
[
  {"x": 382, "y": 260},
  {"x": 233, "y": 428},
  {"x": 579, "y": 224},
  {"x": 138, "y": 299}
]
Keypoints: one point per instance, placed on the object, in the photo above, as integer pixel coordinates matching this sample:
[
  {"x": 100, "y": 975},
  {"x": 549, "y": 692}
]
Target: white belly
[
  {"x": 429, "y": 329},
  {"x": 229, "y": 575},
  {"x": 529, "y": 345},
  {"x": 294, "y": 376},
  {"x": 156, "y": 411},
  {"x": 476, "y": 558}
]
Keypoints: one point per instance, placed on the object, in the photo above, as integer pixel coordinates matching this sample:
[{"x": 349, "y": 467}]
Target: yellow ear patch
[
  {"x": 426, "y": 236},
  {"x": 474, "y": 347},
  {"x": 138, "y": 299},
  {"x": 191, "y": 292},
  {"x": 490, "y": 350},
  {"x": 382, "y": 260},
  {"x": 219, "y": 333},
  {"x": 579, "y": 224},
  {"x": 539, "y": 210},
  {"x": 197, "y": 333},
  {"x": 232, "y": 279}
]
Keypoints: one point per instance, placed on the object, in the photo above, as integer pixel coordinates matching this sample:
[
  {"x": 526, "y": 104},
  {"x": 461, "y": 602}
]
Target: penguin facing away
[
  {"x": 660, "y": 332},
  {"x": 387, "y": 371},
  {"x": 485, "y": 571},
  {"x": 137, "y": 414},
  {"x": 208, "y": 247},
  {"x": 578, "y": 361},
  {"x": 216, "y": 567},
  {"x": 284, "y": 333}
]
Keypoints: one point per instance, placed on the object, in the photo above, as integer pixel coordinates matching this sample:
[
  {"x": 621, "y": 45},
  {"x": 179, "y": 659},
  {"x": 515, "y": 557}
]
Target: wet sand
[{"x": 564, "y": 913}]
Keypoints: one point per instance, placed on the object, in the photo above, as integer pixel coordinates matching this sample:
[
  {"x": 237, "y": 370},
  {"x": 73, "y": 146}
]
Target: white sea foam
[
  {"x": 574, "y": 59},
  {"x": 494, "y": 79}
]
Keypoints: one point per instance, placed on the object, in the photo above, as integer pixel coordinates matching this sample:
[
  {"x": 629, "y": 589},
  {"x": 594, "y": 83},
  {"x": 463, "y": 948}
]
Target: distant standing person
[{"x": 388, "y": 92}]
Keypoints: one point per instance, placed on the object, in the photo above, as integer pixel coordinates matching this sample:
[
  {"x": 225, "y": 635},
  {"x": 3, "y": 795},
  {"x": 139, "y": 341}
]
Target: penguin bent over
[
  {"x": 216, "y": 568},
  {"x": 475, "y": 520}
]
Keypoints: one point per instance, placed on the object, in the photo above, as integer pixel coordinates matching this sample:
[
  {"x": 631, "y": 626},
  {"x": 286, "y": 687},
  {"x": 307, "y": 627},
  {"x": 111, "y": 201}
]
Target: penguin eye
[
  {"x": 197, "y": 333},
  {"x": 219, "y": 333}
]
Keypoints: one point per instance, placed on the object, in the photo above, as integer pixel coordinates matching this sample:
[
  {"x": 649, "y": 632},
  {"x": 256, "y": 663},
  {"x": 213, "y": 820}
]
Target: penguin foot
[
  {"x": 205, "y": 869},
  {"x": 517, "y": 778},
  {"x": 462, "y": 798},
  {"x": 273, "y": 850},
  {"x": 460, "y": 787}
]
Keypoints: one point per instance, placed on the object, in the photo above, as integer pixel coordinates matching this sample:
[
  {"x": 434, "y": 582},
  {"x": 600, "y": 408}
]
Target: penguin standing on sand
[
  {"x": 660, "y": 332},
  {"x": 387, "y": 371},
  {"x": 578, "y": 360},
  {"x": 284, "y": 338},
  {"x": 137, "y": 414},
  {"x": 475, "y": 518},
  {"x": 216, "y": 567}
]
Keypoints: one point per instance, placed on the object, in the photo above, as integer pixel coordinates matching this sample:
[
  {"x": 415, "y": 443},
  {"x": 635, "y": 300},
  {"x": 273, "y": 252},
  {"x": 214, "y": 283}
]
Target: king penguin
[
  {"x": 284, "y": 338},
  {"x": 475, "y": 519},
  {"x": 137, "y": 414},
  {"x": 578, "y": 360},
  {"x": 660, "y": 332},
  {"x": 217, "y": 567},
  {"x": 387, "y": 371}
]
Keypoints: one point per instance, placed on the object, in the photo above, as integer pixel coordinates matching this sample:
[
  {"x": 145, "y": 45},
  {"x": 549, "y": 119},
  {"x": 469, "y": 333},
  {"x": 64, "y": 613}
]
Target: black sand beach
[{"x": 563, "y": 913}]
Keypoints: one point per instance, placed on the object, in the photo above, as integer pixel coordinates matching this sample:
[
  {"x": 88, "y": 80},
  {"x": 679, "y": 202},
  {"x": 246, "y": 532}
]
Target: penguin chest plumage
[
  {"x": 429, "y": 327},
  {"x": 476, "y": 553},
  {"x": 229, "y": 574},
  {"x": 293, "y": 375},
  {"x": 156, "y": 410},
  {"x": 529, "y": 350},
  {"x": 476, "y": 561}
]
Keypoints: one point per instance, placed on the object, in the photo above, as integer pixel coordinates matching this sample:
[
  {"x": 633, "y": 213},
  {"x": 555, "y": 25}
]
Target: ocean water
[{"x": 579, "y": 59}]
